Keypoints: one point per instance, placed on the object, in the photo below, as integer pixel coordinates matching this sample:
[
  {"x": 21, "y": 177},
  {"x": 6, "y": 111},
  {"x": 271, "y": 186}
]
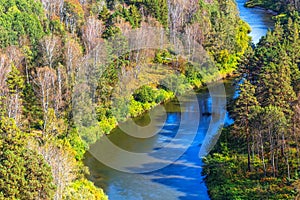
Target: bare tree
[
  {"x": 191, "y": 7},
  {"x": 50, "y": 49},
  {"x": 72, "y": 56},
  {"x": 52, "y": 7},
  {"x": 92, "y": 32},
  {"x": 45, "y": 79},
  {"x": 175, "y": 16},
  {"x": 4, "y": 69},
  {"x": 63, "y": 166},
  {"x": 194, "y": 36},
  {"x": 15, "y": 55}
]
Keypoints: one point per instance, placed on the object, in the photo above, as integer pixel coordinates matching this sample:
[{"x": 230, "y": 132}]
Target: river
[{"x": 181, "y": 179}]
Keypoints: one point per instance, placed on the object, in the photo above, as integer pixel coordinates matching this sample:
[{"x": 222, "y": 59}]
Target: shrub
[{"x": 144, "y": 94}]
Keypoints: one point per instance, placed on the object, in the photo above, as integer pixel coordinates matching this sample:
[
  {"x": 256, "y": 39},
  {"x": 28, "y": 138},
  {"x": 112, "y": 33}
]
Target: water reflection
[{"x": 182, "y": 179}]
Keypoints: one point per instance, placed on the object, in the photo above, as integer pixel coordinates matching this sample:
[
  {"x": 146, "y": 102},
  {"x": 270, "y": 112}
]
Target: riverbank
[
  {"x": 271, "y": 7},
  {"x": 182, "y": 177},
  {"x": 258, "y": 156},
  {"x": 224, "y": 47},
  {"x": 260, "y": 5}
]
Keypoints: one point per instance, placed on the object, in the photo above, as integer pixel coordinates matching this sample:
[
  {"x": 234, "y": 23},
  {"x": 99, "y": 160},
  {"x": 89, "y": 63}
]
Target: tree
[
  {"x": 144, "y": 94},
  {"x": 84, "y": 189},
  {"x": 72, "y": 58},
  {"x": 21, "y": 18},
  {"x": 175, "y": 17},
  {"x": 242, "y": 110},
  {"x": 45, "y": 81},
  {"x": 52, "y": 7},
  {"x": 15, "y": 85},
  {"x": 159, "y": 10},
  {"x": 92, "y": 32},
  {"x": 50, "y": 48},
  {"x": 62, "y": 161},
  {"x": 23, "y": 173},
  {"x": 275, "y": 85},
  {"x": 4, "y": 70},
  {"x": 72, "y": 14}
]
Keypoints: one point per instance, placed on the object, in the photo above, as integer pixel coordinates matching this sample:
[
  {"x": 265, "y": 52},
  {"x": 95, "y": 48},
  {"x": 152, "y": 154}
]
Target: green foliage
[
  {"x": 90, "y": 135},
  {"x": 31, "y": 107},
  {"x": 144, "y": 94},
  {"x": 133, "y": 16},
  {"x": 260, "y": 158},
  {"x": 224, "y": 34},
  {"x": 277, "y": 6},
  {"x": 77, "y": 144},
  {"x": 20, "y": 18},
  {"x": 14, "y": 81},
  {"x": 110, "y": 32},
  {"x": 135, "y": 108},
  {"x": 104, "y": 14},
  {"x": 193, "y": 76},
  {"x": 178, "y": 84},
  {"x": 84, "y": 189},
  {"x": 72, "y": 121},
  {"x": 159, "y": 10},
  {"x": 23, "y": 173},
  {"x": 107, "y": 124},
  {"x": 163, "y": 57},
  {"x": 227, "y": 178}
]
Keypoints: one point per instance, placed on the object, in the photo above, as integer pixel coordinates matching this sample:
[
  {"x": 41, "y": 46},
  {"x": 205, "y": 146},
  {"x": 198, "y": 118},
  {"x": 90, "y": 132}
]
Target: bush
[
  {"x": 163, "y": 57},
  {"x": 84, "y": 189},
  {"x": 163, "y": 95},
  {"x": 135, "y": 108},
  {"x": 193, "y": 76},
  {"x": 90, "y": 134},
  {"x": 77, "y": 144},
  {"x": 107, "y": 124},
  {"x": 144, "y": 94},
  {"x": 176, "y": 83}
]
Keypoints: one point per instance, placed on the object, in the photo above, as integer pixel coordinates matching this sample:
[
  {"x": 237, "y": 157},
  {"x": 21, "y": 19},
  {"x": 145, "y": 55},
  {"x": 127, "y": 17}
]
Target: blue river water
[{"x": 181, "y": 179}]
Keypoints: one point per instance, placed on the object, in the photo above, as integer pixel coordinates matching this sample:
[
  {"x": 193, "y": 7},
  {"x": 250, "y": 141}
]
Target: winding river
[{"x": 182, "y": 179}]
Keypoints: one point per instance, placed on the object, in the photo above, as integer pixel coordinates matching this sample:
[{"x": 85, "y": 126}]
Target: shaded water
[{"x": 181, "y": 179}]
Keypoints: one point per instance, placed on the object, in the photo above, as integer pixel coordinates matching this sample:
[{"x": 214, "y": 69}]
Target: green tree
[
  {"x": 242, "y": 111},
  {"x": 144, "y": 94},
  {"x": 275, "y": 85},
  {"x": 19, "y": 18},
  {"x": 23, "y": 173},
  {"x": 83, "y": 189},
  {"x": 15, "y": 85}
]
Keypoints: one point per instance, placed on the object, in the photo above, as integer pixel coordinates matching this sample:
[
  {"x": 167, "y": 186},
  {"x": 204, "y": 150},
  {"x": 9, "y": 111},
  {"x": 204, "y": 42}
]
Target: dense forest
[
  {"x": 63, "y": 64},
  {"x": 258, "y": 156}
]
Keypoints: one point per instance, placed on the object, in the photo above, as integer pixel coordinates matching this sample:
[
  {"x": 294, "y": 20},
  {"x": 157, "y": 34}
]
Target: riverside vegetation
[
  {"x": 258, "y": 156},
  {"x": 44, "y": 45}
]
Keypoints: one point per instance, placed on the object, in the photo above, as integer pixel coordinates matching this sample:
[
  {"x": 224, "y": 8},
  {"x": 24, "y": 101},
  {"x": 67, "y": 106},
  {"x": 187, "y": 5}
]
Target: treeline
[
  {"x": 277, "y": 6},
  {"x": 258, "y": 156},
  {"x": 64, "y": 65}
]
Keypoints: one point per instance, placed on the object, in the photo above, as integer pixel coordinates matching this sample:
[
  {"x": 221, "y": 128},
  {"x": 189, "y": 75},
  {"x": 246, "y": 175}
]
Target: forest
[
  {"x": 258, "y": 156},
  {"x": 64, "y": 64}
]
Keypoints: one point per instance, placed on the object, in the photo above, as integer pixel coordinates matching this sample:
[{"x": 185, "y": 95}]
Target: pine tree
[
  {"x": 23, "y": 173},
  {"x": 275, "y": 85},
  {"x": 15, "y": 85},
  {"x": 242, "y": 111}
]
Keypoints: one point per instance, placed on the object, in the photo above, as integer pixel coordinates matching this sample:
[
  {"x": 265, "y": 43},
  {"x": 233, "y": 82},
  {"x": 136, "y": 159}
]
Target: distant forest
[
  {"x": 258, "y": 156},
  {"x": 54, "y": 104}
]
